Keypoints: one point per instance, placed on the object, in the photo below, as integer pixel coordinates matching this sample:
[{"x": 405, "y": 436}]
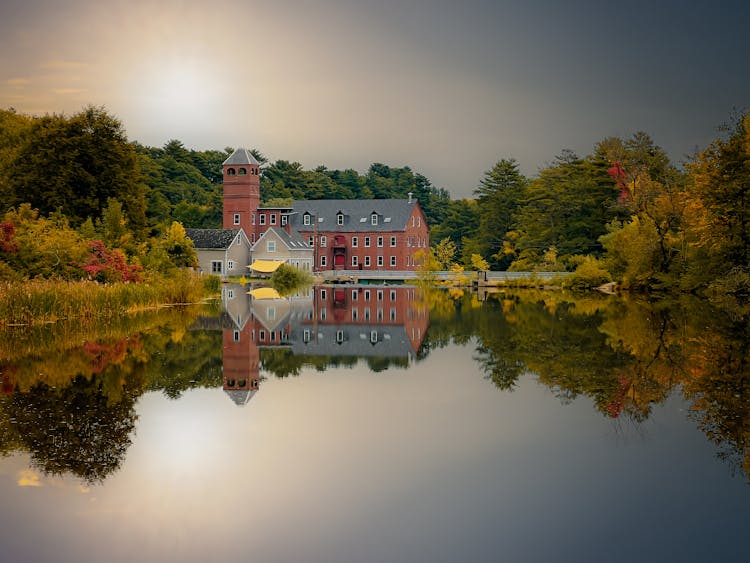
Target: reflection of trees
[
  {"x": 626, "y": 355},
  {"x": 183, "y": 360},
  {"x": 76, "y": 429},
  {"x": 719, "y": 388},
  {"x": 281, "y": 362},
  {"x": 71, "y": 405}
]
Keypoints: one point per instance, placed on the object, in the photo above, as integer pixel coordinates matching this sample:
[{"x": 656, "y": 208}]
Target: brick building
[{"x": 373, "y": 234}]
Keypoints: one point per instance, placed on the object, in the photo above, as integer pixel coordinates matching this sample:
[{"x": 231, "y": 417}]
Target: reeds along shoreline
[{"x": 43, "y": 301}]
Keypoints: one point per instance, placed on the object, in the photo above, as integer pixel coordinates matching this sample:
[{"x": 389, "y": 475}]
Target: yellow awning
[
  {"x": 265, "y": 266},
  {"x": 264, "y": 293}
]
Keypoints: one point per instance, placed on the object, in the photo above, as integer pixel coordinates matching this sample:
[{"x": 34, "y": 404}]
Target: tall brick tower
[{"x": 241, "y": 192}]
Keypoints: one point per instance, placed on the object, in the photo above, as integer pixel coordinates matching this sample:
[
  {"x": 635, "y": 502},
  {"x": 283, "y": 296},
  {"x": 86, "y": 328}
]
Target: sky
[{"x": 446, "y": 88}]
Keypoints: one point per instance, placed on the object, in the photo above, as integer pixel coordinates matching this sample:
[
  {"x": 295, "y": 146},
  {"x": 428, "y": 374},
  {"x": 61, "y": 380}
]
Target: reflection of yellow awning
[
  {"x": 265, "y": 266},
  {"x": 264, "y": 293}
]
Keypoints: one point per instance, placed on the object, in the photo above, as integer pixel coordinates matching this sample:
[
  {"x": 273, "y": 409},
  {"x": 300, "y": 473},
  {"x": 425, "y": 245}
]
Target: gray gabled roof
[
  {"x": 240, "y": 156},
  {"x": 393, "y": 214},
  {"x": 211, "y": 239},
  {"x": 293, "y": 241}
]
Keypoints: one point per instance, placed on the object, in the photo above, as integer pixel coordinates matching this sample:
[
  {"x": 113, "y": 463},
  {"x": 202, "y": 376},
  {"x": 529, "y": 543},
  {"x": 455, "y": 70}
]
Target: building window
[
  {"x": 380, "y": 313},
  {"x": 323, "y": 241},
  {"x": 284, "y": 219},
  {"x": 355, "y": 261},
  {"x": 236, "y": 336},
  {"x": 273, "y": 218},
  {"x": 393, "y": 295},
  {"x": 271, "y": 246},
  {"x": 306, "y": 219},
  {"x": 412, "y": 221},
  {"x": 367, "y": 313},
  {"x": 340, "y": 219},
  {"x": 271, "y": 313},
  {"x": 236, "y": 218},
  {"x": 339, "y": 336},
  {"x": 262, "y": 218},
  {"x": 323, "y": 261},
  {"x": 380, "y": 261},
  {"x": 367, "y": 242},
  {"x": 355, "y": 314},
  {"x": 367, "y": 294},
  {"x": 393, "y": 242},
  {"x": 243, "y": 172},
  {"x": 231, "y": 172},
  {"x": 355, "y": 294},
  {"x": 311, "y": 240},
  {"x": 216, "y": 266},
  {"x": 355, "y": 242},
  {"x": 374, "y": 336},
  {"x": 380, "y": 242},
  {"x": 393, "y": 261},
  {"x": 253, "y": 219},
  {"x": 230, "y": 264},
  {"x": 262, "y": 335},
  {"x": 230, "y": 294},
  {"x": 306, "y": 336},
  {"x": 367, "y": 261},
  {"x": 380, "y": 295},
  {"x": 323, "y": 294},
  {"x": 374, "y": 219},
  {"x": 393, "y": 313}
]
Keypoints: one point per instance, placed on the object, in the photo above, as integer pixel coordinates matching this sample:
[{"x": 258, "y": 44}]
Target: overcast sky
[{"x": 447, "y": 88}]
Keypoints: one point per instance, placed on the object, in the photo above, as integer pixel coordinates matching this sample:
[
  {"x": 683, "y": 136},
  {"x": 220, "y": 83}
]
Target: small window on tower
[
  {"x": 230, "y": 171},
  {"x": 243, "y": 172}
]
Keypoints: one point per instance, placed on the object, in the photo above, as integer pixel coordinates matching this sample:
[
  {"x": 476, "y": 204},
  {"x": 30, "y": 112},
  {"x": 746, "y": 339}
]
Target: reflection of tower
[
  {"x": 241, "y": 192},
  {"x": 240, "y": 358},
  {"x": 240, "y": 364}
]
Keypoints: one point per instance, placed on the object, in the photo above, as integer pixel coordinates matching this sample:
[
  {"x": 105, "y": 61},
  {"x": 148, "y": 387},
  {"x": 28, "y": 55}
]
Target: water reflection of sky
[{"x": 426, "y": 464}]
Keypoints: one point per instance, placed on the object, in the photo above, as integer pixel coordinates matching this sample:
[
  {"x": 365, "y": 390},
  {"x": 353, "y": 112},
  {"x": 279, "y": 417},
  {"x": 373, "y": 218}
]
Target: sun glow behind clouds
[{"x": 176, "y": 96}]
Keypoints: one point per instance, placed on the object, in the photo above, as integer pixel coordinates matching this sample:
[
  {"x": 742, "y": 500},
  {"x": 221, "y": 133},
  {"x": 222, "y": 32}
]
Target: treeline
[{"x": 622, "y": 213}]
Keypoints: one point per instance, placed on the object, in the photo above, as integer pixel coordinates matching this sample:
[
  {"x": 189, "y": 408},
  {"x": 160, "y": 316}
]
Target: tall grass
[{"x": 44, "y": 301}]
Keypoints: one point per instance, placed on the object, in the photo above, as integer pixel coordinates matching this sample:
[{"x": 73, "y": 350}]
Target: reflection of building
[{"x": 364, "y": 321}]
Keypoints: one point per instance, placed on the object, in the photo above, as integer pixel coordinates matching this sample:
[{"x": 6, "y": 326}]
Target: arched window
[
  {"x": 243, "y": 172},
  {"x": 231, "y": 171}
]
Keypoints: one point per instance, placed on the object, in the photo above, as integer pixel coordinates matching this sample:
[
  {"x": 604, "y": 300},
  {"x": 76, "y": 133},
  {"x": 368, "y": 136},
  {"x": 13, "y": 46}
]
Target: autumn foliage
[{"x": 109, "y": 265}]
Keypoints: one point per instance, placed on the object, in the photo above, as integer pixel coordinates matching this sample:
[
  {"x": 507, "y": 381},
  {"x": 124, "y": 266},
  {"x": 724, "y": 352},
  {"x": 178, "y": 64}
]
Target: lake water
[{"x": 380, "y": 423}]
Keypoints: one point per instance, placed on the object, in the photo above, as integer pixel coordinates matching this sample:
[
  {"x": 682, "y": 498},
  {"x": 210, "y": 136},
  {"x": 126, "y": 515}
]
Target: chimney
[{"x": 409, "y": 197}]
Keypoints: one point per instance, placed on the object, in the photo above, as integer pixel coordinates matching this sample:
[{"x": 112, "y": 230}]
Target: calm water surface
[{"x": 380, "y": 423}]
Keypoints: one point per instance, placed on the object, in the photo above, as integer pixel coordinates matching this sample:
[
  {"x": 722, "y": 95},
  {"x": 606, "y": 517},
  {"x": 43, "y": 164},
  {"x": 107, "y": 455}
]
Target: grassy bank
[{"x": 45, "y": 301}]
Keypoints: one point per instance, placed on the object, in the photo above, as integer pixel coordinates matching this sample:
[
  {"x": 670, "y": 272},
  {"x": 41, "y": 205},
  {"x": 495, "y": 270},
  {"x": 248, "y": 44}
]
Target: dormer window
[
  {"x": 306, "y": 219},
  {"x": 374, "y": 219},
  {"x": 340, "y": 218}
]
